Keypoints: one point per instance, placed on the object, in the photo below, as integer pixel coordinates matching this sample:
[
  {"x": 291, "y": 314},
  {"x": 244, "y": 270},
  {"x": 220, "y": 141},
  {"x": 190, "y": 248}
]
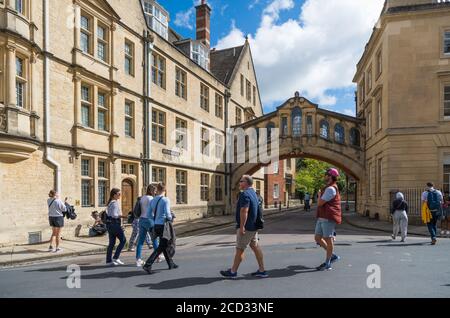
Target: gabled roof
[
  {"x": 104, "y": 4},
  {"x": 224, "y": 62}
]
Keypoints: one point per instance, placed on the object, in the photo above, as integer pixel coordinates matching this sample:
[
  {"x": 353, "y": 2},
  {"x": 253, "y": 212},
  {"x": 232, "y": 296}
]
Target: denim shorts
[{"x": 325, "y": 228}]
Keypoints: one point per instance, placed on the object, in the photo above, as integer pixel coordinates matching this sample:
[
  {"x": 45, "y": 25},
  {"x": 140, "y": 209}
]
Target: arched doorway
[{"x": 127, "y": 196}]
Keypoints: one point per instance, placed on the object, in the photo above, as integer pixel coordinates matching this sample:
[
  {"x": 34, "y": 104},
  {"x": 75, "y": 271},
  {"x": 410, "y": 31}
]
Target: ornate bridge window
[
  {"x": 339, "y": 134},
  {"x": 324, "y": 129},
  {"x": 269, "y": 128},
  {"x": 296, "y": 122},
  {"x": 355, "y": 137},
  {"x": 284, "y": 126}
]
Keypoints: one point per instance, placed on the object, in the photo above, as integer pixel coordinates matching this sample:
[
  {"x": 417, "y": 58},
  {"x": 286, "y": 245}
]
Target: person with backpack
[
  {"x": 115, "y": 230},
  {"x": 248, "y": 223},
  {"x": 162, "y": 215},
  {"x": 329, "y": 213},
  {"x": 146, "y": 225},
  {"x": 399, "y": 213},
  {"x": 136, "y": 215},
  {"x": 56, "y": 210},
  {"x": 433, "y": 199}
]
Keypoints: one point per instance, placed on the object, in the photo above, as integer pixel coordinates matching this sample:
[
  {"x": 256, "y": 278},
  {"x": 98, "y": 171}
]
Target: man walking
[
  {"x": 329, "y": 214},
  {"x": 434, "y": 200},
  {"x": 247, "y": 229},
  {"x": 307, "y": 201}
]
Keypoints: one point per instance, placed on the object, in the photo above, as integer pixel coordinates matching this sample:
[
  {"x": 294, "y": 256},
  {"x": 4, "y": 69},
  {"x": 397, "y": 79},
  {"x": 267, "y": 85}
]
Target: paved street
[{"x": 414, "y": 269}]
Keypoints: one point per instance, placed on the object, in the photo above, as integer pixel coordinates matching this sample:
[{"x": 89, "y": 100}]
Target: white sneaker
[
  {"x": 442, "y": 232},
  {"x": 51, "y": 249},
  {"x": 139, "y": 263},
  {"x": 118, "y": 262},
  {"x": 58, "y": 250},
  {"x": 160, "y": 259},
  {"x": 448, "y": 232}
]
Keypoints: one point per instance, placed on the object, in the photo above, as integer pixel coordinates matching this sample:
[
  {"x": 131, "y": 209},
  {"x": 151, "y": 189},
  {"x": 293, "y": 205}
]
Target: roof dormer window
[
  {"x": 199, "y": 54},
  {"x": 157, "y": 17}
]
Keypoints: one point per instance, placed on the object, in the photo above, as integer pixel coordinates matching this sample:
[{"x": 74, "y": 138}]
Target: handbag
[{"x": 154, "y": 234}]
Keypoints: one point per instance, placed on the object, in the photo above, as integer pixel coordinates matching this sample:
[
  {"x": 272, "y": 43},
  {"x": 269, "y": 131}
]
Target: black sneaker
[
  {"x": 228, "y": 274},
  {"x": 324, "y": 267},
  {"x": 260, "y": 274},
  {"x": 148, "y": 269}
]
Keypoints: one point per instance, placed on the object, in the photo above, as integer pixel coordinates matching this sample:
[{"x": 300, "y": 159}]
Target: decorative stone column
[{"x": 11, "y": 75}]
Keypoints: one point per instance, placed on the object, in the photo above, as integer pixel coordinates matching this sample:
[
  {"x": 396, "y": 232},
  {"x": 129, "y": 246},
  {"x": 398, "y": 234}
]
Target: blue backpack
[{"x": 433, "y": 201}]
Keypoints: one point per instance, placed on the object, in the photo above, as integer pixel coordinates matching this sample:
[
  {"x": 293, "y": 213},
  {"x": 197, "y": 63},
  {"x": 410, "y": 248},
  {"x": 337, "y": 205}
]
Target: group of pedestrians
[{"x": 434, "y": 208}]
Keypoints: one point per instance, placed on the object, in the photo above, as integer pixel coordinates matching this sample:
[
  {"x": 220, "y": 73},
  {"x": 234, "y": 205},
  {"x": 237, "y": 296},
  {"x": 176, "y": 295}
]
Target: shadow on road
[
  {"x": 382, "y": 241},
  {"x": 405, "y": 244},
  {"x": 198, "y": 281},
  {"x": 110, "y": 274},
  {"x": 82, "y": 267}
]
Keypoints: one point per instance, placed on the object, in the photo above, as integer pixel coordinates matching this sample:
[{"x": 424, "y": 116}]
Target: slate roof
[{"x": 223, "y": 62}]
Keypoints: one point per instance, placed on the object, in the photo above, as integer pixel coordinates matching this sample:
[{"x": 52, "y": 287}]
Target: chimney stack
[{"x": 204, "y": 23}]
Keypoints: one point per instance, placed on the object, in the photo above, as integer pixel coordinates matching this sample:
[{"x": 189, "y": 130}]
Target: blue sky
[{"x": 307, "y": 45}]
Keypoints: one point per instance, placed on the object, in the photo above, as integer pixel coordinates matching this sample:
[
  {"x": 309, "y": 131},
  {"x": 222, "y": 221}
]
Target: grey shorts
[
  {"x": 325, "y": 228},
  {"x": 56, "y": 221},
  {"x": 243, "y": 241}
]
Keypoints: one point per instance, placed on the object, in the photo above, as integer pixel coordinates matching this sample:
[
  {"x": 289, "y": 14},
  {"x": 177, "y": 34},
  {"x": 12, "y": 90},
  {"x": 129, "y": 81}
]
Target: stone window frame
[
  {"x": 258, "y": 187},
  {"x": 248, "y": 90},
  {"x": 159, "y": 70},
  {"x": 204, "y": 186},
  {"x": 129, "y": 117},
  {"x": 103, "y": 41},
  {"x": 204, "y": 97},
  {"x": 238, "y": 115},
  {"x": 129, "y": 57},
  {"x": 159, "y": 127},
  {"x": 242, "y": 85},
  {"x": 362, "y": 90},
  {"x": 94, "y": 89},
  {"x": 181, "y": 178},
  {"x": 379, "y": 108},
  {"x": 369, "y": 79},
  {"x": 205, "y": 141},
  {"x": 23, "y": 79},
  {"x": 219, "y": 146},
  {"x": 181, "y": 83},
  {"x": 379, "y": 177},
  {"x": 219, "y": 105},
  {"x": 181, "y": 130},
  {"x": 87, "y": 178},
  {"x": 254, "y": 95},
  {"x": 89, "y": 32},
  {"x": 105, "y": 109},
  {"x": 159, "y": 175},
  {"x": 337, "y": 138},
  {"x": 379, "y": 63},
  {"x": 444, "y": 83},
  {"x": 25, "y": 8},
  {"x": 88, "y": 103},
  {"x": 276, "y": 194},
  {"x": 103, "y": 179},
  {"x": 218, "y": 188},
  {"x": 369, "y": 124},
  {"x": 442, "y": 39}
]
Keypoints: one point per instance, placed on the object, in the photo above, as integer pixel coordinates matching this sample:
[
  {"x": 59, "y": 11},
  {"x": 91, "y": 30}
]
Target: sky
[{"x": 310, "y": 46}]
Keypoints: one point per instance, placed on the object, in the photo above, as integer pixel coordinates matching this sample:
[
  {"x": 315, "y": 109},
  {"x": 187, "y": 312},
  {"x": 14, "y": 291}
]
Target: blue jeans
[
  {"x": 432, "y": 228},
  {"x": 145, "y": 227},
  {"x": 115, "y": 231}
]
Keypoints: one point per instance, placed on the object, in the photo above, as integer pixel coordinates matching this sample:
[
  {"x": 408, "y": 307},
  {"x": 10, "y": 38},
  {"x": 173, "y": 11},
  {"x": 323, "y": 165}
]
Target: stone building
[
  {"x": 403, "y": 94},
  {"x": 98, "y": 94}
]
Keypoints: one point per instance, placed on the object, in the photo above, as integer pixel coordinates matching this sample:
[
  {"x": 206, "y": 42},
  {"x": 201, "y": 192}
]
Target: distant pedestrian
[
  {"x": 146, "y": 224},
  {"x": 399, "y": 213},
  {"x": 56, "y": 209},
  {"x": 446, "y": 216},
  {"x": 307, "y": 201},
  {"x": 162, "y": 215},
  {"x": 434, "y": 200},
  {"x": 329, "y": 214},
  {"x": 115, "y": 230},
  {"x": 247, "y": 213}
]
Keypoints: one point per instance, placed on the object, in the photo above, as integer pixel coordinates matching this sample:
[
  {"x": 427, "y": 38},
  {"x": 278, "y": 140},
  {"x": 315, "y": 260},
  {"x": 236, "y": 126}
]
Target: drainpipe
[
  {"x": 228, "y": 185},
  {"x": 48, "y": 157},
  {"x": 148, "y": 47}
]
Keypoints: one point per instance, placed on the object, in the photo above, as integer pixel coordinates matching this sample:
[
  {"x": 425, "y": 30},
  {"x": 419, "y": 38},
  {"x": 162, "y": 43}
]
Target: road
[{"x": 411, "y": 269}]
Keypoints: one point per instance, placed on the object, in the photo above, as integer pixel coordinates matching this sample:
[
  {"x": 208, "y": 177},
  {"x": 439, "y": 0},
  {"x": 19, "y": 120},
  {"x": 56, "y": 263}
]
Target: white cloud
[
  {"x": 235, "y": 38},
  {"x": 350, "y": 112},
  {"x": 184, "y": 19},
  {"x": 253, "y": 4},
  {"x": 313, "y": 53},
  {"x": 223, "y": 8}
]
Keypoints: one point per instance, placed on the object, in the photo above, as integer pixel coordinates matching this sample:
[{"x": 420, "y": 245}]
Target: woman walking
[
  {"x": 445, "y": 230},
  {"x": 114, "y": 226},
  {"x": 56, "y": 209},
  {"x": 400, "y": 216}
]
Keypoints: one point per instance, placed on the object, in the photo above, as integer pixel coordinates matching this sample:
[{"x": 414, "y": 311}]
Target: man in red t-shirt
[{"x": 329, "y": 214}]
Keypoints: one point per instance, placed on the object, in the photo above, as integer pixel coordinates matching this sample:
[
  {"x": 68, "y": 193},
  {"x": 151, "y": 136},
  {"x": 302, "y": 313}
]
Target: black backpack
[
  {"x": 260, "y": 217},
  {"x": 137, "y": 209},
  {"x": 104, "y": 217},
  {"x": 70, "y": 213}
]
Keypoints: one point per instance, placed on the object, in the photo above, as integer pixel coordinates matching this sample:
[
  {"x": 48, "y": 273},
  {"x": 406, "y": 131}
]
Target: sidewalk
[
  {"x": 363, "y": 222},
  {"x": 25, "y": 254}
]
